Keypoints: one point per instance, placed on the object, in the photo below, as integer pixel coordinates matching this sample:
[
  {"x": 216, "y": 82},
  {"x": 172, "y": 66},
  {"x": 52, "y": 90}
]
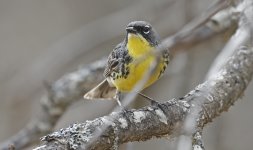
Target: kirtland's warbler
[{"x": 129, "y": 61}]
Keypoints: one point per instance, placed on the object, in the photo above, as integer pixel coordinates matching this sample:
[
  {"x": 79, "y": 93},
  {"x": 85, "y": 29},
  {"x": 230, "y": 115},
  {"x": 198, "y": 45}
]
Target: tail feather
[{"x": 103, "y": 91}]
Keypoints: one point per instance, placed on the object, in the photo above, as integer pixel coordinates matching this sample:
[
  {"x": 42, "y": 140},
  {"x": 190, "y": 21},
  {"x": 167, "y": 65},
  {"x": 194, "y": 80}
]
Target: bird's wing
[
  {"x": 115, "y": 59},
  {"x": 103, "y": 91}
]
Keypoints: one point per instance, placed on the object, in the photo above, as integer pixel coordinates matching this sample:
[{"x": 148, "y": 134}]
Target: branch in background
[
  {"x": 195, "y": 24},
  {"x": 223, "y": 21},
  {"x": 67, "y": 89},
  {"x": 61, "y": 94},
  {"x": 240, "y": 37},
  {"x": 165, "y": 119}
]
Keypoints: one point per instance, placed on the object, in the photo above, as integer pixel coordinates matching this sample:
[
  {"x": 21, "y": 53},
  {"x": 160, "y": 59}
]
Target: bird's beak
[{"x": 130, "y": 30}]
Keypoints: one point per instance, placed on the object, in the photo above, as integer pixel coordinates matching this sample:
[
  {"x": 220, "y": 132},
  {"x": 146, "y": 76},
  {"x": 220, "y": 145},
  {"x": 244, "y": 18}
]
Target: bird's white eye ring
[
  {"x": 146, "y": 32},
  {"x": 146, "y": 29}
]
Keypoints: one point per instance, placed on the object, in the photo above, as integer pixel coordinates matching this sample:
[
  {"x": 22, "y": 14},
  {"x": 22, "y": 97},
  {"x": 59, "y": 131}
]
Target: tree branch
[{"x": 165, "y": 119}]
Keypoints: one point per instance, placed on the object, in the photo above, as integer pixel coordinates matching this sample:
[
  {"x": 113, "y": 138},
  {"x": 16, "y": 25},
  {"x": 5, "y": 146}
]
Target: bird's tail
[{"x": 103, "y": 91}]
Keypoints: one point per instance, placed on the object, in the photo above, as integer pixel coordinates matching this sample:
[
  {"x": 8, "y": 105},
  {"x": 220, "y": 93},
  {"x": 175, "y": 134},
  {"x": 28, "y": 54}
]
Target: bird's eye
[{"x": 146, "y": 29}]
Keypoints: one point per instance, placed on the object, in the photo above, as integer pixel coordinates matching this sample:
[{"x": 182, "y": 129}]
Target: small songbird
[{"x": 129, "y": 61}]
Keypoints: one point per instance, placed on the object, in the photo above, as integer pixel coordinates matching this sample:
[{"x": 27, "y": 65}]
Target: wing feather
[{"x": 103, "y": 91}]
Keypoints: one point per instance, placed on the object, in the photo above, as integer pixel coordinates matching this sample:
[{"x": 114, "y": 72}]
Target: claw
[{"x": 151, "y": 100}]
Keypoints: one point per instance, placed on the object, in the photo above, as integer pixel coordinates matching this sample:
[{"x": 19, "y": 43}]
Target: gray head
[{"x": 145, "y": 30}]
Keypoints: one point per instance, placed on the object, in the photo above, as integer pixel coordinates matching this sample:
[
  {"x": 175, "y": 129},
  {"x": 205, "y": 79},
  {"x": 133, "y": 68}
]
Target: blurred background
[{"x": 43, "y": 40}]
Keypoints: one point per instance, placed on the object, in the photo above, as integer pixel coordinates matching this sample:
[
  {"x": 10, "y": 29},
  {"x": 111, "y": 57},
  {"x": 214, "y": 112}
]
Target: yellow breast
[{"x": 137, "y": 48}]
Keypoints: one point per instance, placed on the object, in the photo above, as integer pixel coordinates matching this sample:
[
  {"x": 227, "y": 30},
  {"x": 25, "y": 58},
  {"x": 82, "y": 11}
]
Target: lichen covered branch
[{"x": 214, "y": 96}]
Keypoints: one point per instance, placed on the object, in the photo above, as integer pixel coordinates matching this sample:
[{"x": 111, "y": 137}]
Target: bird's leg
[
  {"x": 118, "y": 98},
  {"x": 151, "y": 100}
]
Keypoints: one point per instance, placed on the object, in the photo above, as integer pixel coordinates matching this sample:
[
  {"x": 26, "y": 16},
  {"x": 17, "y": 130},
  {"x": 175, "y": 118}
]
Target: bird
[{"x": 129, "y": 61}]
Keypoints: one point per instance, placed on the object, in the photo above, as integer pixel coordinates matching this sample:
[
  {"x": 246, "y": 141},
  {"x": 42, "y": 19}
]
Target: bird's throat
[{"x": 137, "y": 45}]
